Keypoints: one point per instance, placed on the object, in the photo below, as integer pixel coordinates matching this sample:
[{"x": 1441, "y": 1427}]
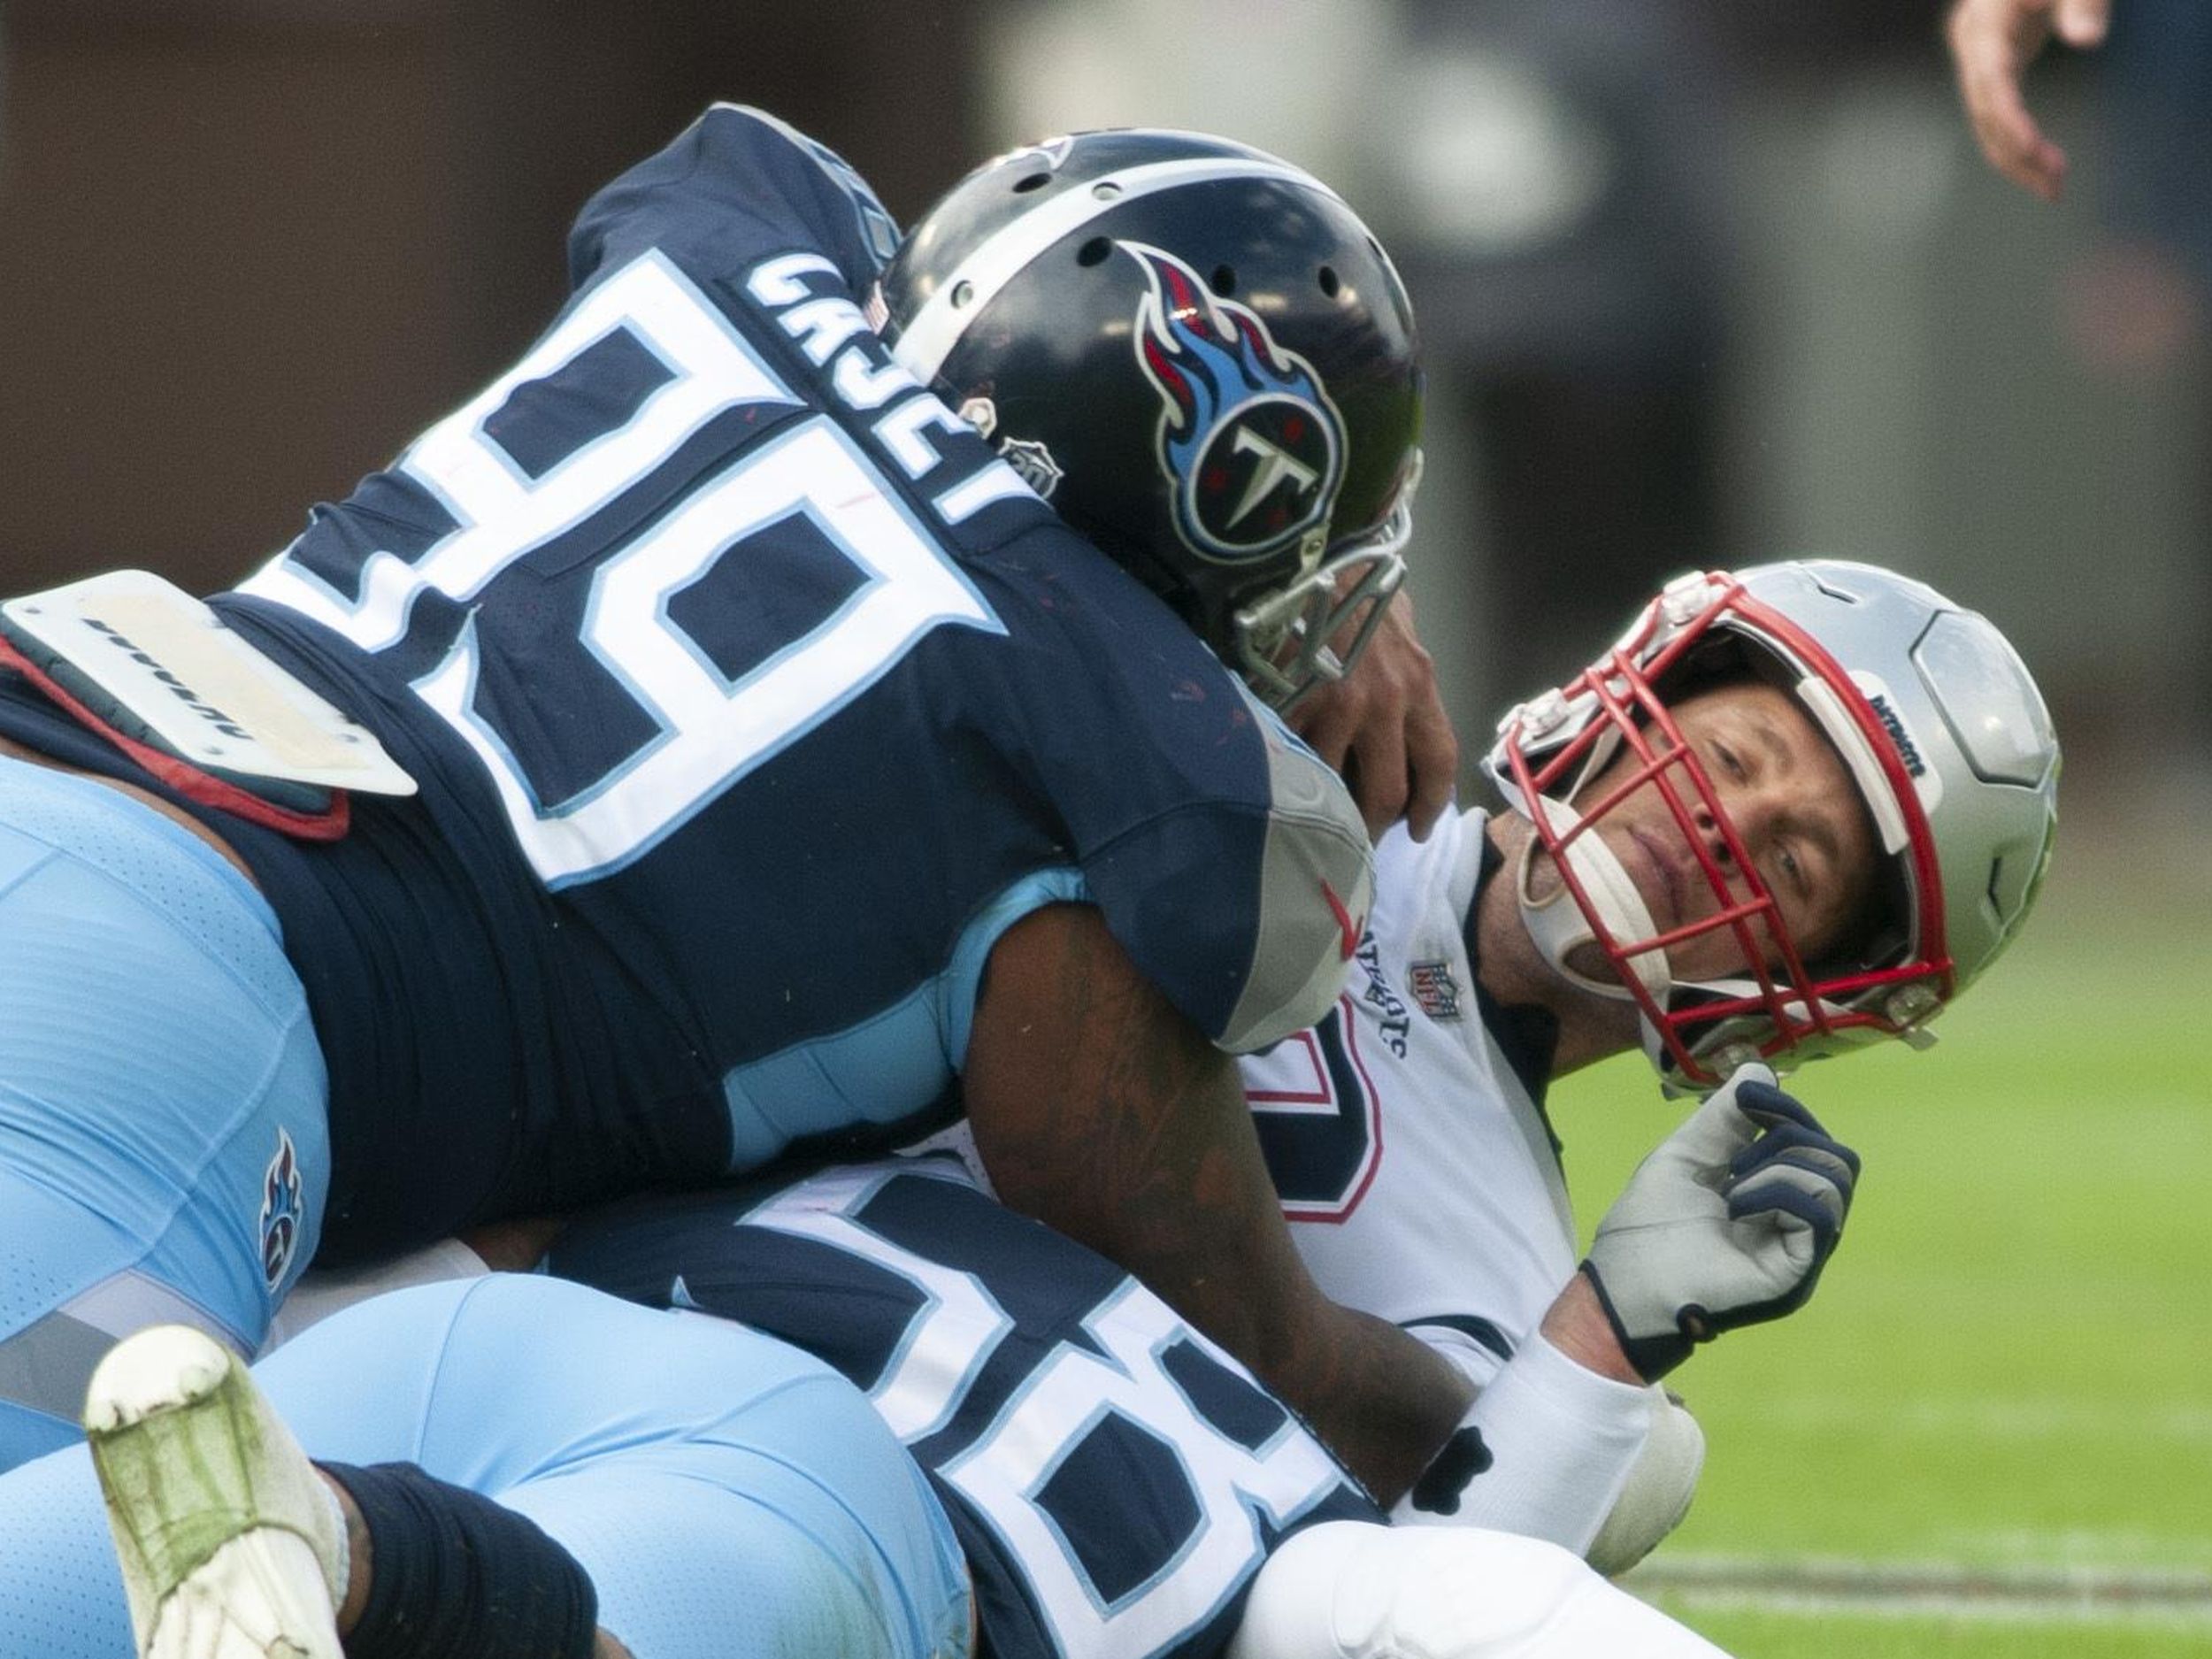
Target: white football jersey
[
  {"x": 1420, "y": 1176},
  {"x": 1422, "y": 1182}
]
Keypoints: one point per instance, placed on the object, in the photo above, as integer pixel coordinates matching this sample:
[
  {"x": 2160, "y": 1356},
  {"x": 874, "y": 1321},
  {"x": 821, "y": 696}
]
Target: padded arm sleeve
[{"x": 1561, "y": 1442}]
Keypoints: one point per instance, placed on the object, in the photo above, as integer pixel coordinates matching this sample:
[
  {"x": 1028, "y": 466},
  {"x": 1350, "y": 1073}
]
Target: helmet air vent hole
[
  {"x": 1030, "y": 181},
  {"x": 963, "y": 295},
  {"x": 1225, "y": 279},
  {"x": 1330, "y": 281},
  {"x": 1106, "y": 190},
  {"x": 1093, "y": 251}
]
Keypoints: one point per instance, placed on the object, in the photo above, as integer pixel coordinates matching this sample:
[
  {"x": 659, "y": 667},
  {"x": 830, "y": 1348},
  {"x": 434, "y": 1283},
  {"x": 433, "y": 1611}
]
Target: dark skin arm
[
  {"x": 1383, "y": 728},
  {"x": 1098, "y": 1109}
]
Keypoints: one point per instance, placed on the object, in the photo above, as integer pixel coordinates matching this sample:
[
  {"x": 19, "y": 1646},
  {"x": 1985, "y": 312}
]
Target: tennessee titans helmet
[
  {"x": 1202, "y": 359},
  {"x": 1939, "y": 726}
]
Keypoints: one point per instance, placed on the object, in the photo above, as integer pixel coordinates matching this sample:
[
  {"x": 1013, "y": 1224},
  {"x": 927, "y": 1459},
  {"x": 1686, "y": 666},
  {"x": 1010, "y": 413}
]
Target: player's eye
[
  {"x": 1726, "y": 756},
  {"x": 1793, "y": 869}
]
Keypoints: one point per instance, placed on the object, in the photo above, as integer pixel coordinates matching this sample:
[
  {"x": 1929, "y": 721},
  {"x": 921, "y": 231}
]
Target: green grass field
[{"x": 1991, "y": 1433}]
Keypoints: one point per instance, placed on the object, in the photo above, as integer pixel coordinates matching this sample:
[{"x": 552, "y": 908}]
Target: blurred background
[{"x": 1702, "y": 283}]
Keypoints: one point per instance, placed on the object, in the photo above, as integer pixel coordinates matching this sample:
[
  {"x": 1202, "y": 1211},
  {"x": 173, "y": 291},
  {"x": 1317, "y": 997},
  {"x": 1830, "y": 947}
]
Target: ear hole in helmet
[
  {"x": 1225, "y": 279},
  {"x": 1093, "y": 251},
  {"x": 1030, "y": 181},
  {"x": 1330, "y": 282}
]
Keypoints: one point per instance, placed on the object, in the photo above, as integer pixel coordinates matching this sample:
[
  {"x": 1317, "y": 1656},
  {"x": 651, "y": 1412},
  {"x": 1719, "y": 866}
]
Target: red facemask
[{"x": 1698, "y": 1030}]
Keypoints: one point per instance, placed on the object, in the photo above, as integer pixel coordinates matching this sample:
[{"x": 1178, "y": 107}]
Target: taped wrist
[{"x": 455, "y": 1576}]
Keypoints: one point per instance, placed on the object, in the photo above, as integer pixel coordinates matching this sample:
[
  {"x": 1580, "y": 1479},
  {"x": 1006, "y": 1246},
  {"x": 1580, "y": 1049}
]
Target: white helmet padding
[{"x": 1592, "y": 882}]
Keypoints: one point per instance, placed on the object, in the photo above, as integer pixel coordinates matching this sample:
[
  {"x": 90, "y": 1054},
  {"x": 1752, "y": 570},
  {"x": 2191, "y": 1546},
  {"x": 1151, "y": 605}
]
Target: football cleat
[{"x": 230, "y": 1546}]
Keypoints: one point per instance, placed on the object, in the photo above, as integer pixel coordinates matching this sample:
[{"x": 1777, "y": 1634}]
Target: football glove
[{"x": 1728, "y": 1223}]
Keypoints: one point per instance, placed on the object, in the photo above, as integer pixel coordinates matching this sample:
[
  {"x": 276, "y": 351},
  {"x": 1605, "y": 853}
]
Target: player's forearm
[
  {"x": 1386, "y": 1402},
  {"x": 1383, "y": 1400},
  {"x": 1215, "y": 1251},
  {"x": 1133, "y": 1138},
  {"x": 1576, "y": 1325}
]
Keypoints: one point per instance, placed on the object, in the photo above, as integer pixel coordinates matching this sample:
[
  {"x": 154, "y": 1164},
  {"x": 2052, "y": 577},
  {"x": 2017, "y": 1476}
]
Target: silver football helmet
[{"x": 1938, "y": 722}]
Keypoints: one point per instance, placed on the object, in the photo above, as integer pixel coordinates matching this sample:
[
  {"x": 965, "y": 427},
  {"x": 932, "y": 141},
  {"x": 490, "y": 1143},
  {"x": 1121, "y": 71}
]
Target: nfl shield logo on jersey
[
  {"x": 1434, "y": 989},
  {"x": 1249, "y": 440},
  {"x": 283, "y": 1208}
]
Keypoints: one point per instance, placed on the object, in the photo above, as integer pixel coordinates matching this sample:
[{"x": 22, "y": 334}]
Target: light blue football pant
[
  {"x": 164, "y": 1150},
  {"x": 731, "y": 1497}
]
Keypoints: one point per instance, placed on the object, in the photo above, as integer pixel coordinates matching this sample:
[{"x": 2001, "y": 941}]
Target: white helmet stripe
[{"x": 924, "y": 343}]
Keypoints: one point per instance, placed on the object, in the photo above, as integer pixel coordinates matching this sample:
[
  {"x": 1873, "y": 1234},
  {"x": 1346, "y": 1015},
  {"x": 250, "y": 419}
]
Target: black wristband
[{"x": 455, "y": 1576}]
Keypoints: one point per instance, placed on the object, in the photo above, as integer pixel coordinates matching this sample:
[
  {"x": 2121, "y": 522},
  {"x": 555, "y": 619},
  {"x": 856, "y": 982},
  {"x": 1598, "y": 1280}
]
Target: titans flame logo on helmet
[{"x": 1250, "y": 442}]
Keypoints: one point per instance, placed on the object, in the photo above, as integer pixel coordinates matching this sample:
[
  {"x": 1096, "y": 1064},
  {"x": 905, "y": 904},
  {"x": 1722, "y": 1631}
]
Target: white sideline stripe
[
  {"x": 1955, "y": 1609},
  {"x": 2015, "y": 1419},
  {"x": 1908, "y": 1589}
]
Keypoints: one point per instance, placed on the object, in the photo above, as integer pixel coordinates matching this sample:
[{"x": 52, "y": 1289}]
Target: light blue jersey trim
[{"x": 897, "y": 1062}]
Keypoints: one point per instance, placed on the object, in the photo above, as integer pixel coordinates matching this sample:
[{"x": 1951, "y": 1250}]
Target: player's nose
[{"x": 1754, "y": 811}]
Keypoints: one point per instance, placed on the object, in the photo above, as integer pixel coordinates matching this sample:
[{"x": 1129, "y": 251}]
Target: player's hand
[
  {"x": 1728, "y": 1223},
  {"x": 1383, "y": 729},
  {"x": 1993, "y": 43}
]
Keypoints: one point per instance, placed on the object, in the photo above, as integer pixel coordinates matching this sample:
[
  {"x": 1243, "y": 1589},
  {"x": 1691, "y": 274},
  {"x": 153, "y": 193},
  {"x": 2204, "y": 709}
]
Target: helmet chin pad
[{"x": 1557, "y": 923}]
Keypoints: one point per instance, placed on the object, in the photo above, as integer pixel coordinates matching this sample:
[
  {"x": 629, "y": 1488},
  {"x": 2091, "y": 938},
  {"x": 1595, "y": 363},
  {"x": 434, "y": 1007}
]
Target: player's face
[{"x": 1794, "y": 806}]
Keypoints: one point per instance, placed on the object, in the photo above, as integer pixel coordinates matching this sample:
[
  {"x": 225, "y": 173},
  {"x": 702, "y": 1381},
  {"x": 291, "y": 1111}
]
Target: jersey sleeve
[
  {"x": 735, "y": 185},
  {"x": 1246, "y": 919},
  {"x": 1225, "y": 856}
]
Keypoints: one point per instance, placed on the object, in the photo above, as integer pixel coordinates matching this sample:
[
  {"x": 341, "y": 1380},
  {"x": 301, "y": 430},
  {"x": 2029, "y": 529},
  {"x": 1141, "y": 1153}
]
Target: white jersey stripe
[{"x": 924, "y": 343}]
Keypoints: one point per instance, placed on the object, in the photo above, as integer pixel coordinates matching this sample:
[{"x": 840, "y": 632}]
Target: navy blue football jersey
[
  {"x": 1115, "y": 1480},
  {"x": 751, "y": 697}
]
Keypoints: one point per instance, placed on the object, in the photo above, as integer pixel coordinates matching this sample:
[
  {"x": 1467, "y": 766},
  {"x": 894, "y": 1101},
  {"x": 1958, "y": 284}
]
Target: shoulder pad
[{"x": 1316, "y": 883}]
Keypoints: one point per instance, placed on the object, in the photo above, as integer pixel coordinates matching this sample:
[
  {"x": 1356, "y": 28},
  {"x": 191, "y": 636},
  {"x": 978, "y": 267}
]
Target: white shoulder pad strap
[{"x": 151, "y": 655}]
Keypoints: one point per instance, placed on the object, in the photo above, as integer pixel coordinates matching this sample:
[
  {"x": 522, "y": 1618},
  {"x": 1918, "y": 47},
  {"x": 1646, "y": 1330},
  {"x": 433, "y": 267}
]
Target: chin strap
[{"x": 1556, "y": 924}]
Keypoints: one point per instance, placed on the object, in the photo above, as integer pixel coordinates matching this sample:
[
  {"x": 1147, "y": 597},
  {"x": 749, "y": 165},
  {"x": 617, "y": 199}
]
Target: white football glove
[{"x": 1728, "y": 1223}]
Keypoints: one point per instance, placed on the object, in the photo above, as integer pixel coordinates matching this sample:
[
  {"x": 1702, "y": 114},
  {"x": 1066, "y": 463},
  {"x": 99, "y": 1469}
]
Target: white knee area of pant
[{"x": 1353, "y": 1590}]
